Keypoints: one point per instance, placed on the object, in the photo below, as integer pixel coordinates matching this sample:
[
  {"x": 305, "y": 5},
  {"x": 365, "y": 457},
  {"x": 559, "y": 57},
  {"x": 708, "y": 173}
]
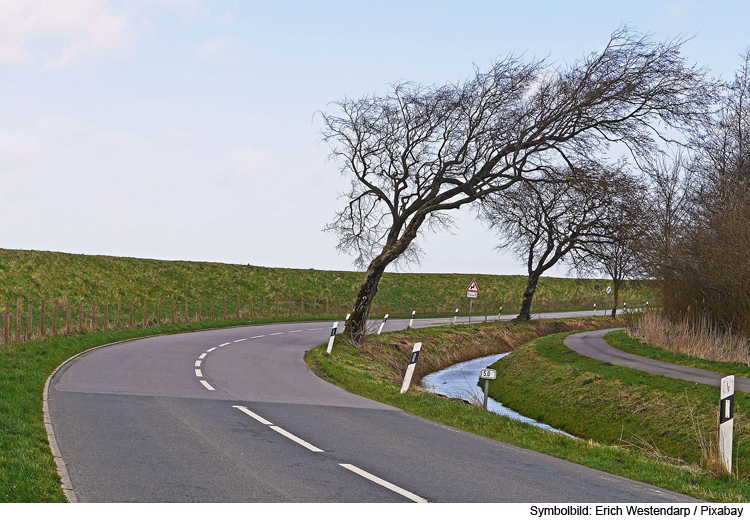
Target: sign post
[
  {"x": 472, "y": 291},
  {"x": 487, "y": 375},
  {"x": 726, "y": 421},
  {"x": 410, "y": 367}
]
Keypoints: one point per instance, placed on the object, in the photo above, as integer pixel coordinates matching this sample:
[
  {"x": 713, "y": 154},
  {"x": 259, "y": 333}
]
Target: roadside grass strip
[{"x": 629, "y": 423}]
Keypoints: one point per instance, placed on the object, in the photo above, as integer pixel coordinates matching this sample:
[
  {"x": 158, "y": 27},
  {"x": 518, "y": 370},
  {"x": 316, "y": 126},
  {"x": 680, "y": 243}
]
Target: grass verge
[
  {"x": 27, "y": 470},
  {"x": 571, "y": 398}
]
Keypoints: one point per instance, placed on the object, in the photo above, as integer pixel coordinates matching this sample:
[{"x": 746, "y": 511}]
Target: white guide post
[
  {"x": 455, "y": 316},
  {"x": 348, "y": 315},
  {"x": 382, "y": 324},
  {"x": 410, "y": 367},
  {"x": 411, "y": 321},
  {"x": 594, "y": 309},
  {"x": 726, "y": 421},
  {"x": 334, "y": 328}
]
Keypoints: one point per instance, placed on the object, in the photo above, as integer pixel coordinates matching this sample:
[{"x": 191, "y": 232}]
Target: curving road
[
  {"x": 592, "y": 344},
  {"x": 235, "y": 415}
]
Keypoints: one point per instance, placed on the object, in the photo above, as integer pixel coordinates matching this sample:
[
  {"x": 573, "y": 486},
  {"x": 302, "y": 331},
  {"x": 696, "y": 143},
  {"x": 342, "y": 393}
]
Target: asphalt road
[
  {"x": 235, "y": 415},
  {"x": 592, "y": 344}
]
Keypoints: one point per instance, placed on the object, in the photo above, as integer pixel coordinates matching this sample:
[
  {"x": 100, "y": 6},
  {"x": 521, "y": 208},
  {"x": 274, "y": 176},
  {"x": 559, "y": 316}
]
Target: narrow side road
[{"x": 592, "y": 344}]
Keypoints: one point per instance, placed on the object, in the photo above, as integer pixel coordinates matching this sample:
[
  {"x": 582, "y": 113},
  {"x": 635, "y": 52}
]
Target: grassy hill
[{"x": 39, "y": 275}]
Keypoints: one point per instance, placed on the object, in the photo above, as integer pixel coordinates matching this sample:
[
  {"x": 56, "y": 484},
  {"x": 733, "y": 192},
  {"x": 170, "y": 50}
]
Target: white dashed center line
[
  {"x": 295, "y": 331},
  {"x": 295, "y": 439},
  {"x": 278, "y": 430},
  {"x": 207, "y": 385},
  {"x": 276, "y": 334},
  {"x": 240, "y": 340},
  {"x": 254, "y": 415},
  {"x": 256, "y": 337},
  {"x": 203, "y": 355},
  {"x": 198, "y": 373},
  {"x": 211, "y": 349},
  {"x": 315, "y": 329},
  {"x": 224, "y": 344},
  {"x": 384, "y": 483}
]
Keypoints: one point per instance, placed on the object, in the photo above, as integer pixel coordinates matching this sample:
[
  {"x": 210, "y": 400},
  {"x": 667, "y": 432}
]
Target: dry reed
[{"x": 699, "y": 337}]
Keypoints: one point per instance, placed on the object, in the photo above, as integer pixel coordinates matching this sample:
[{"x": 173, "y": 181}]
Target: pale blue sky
[{"x": 183, "y": 129}]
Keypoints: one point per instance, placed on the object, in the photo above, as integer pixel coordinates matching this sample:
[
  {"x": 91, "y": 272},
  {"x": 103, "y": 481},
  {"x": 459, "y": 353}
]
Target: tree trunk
[
  {"x": 528, "y": 295},
  {"x": 357, "y": 323},
  {"x": 615, "y": 292}
]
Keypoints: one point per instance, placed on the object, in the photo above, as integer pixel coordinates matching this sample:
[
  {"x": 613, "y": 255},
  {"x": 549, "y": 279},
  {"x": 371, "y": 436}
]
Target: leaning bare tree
[
  {"x": 418, "y": 153},
  {"x": 543, "y": 222}
]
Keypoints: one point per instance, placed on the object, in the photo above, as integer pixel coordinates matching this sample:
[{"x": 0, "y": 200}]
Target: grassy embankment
[
  {"x": 41, "y": 275},
  {"x": 629, "y": 423}
]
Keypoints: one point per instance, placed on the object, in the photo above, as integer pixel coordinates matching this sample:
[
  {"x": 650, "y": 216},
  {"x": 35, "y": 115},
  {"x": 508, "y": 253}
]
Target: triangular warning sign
[{"x": 473, "y": 287}]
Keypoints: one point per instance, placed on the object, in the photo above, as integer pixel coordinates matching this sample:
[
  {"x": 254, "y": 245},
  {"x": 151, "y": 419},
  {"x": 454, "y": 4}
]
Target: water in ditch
[{"x": 460, "y": 381}]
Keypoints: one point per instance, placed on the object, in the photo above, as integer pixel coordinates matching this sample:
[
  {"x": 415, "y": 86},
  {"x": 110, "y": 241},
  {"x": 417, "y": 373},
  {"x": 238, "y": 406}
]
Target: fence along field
[
  {"x": 27, "y": 319},
  {"x": 47, "y": 293}
]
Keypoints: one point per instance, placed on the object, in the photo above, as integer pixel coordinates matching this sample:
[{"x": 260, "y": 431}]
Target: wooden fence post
[
  {"x": 106, "y": 314},
  {"x": 93, "y": 315},
  {"x": 187, "y": 317},
  {"x": 200, "y": 309},
  {"x": 132, "y": 304},
  {"x": 225, "y": 308},
  {"x": 67, "y": 317},
  {"x": 6, "y": 327},
  {"x": 238, "y": 307},
  {"x": 29, "y": 320},
  {"x": 251, "y": 306},
  {"x": 18, "y": 320},
  {"x": 41, "y": 320},
  {"x": 54, "y": 317},
  {"x": 302, "y": 305},
  {"x": 119, "y": 313},
  {"x": 173, "y": 316},
  {"x": 145, "y": 312},
  {"x": 264, "y": 307},
  {"x": 213, "y": 303},
  {"x": 158, "y": 313},
  {"x": 80, "y": 316},
  {"x": 290, "y": 306}
]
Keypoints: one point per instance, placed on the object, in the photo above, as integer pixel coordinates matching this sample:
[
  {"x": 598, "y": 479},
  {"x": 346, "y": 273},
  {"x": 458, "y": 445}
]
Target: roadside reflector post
[
  {"x": 346, "y": 319},
  {"x": 411, "y": 321},
  {"x": 455, "y": 316},
  {"x": 382, "y": 324},
  {"x": 726, "y": 421},
  {"x": 499, "y": 313},
  {"x": 624, "y": 306},
  {"x": 594, "y": 309},
  {"x": 410, "y": 367},
  {"x": 334, "y": 328},
  {"x": 487, "y": 375}
]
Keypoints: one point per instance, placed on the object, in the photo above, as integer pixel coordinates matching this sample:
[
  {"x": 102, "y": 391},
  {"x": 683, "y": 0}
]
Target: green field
[{"x": 40, "y": 275}]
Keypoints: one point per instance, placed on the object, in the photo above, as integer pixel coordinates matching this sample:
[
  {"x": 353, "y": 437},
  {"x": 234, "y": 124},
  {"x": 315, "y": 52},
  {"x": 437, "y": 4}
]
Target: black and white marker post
[
  {"x": 455, "y": 316},
  {"x": 382, "y": 324},
  {"x": 410, "y": 367},
  {"x": 726, "y": 421},
  {"x": 334, "y": 328},
  {"x": 411, "y": 321}
]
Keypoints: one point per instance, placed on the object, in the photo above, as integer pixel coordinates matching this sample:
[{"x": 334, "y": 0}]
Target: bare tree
[
  {"x": 543, "y": 222},
  {"x": 418, "y": 153}
]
